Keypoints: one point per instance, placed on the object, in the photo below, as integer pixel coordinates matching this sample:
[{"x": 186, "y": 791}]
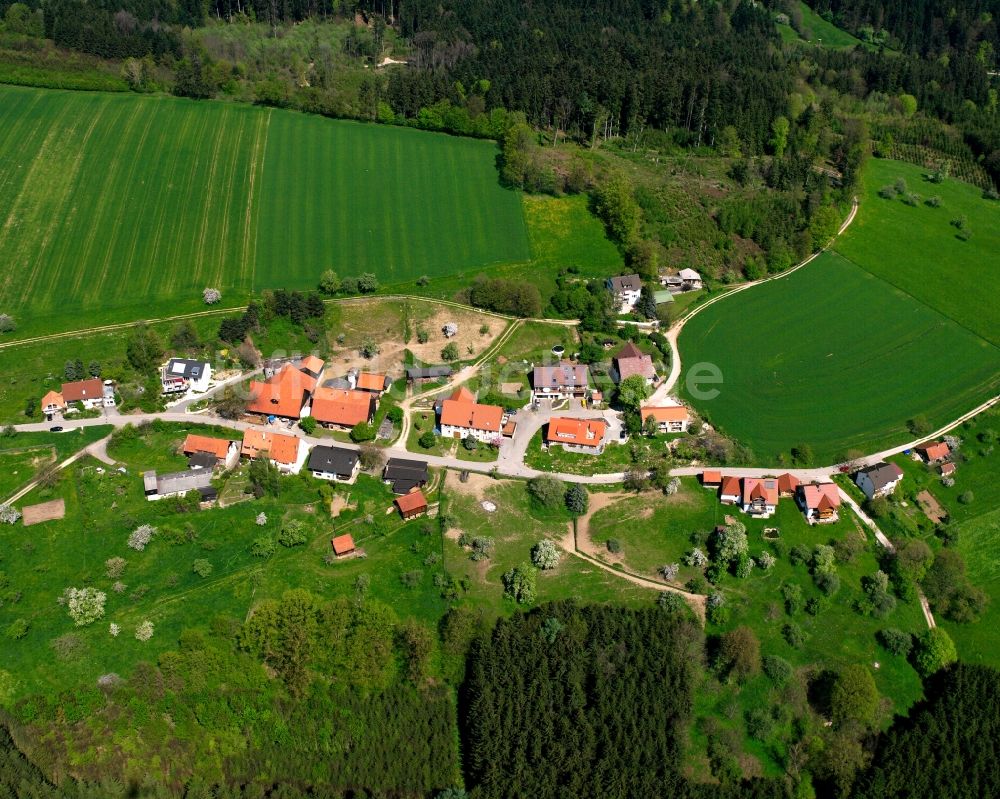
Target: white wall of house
[
  {"x": 864, "y": 482},
  {"x": 335, "y": 478},
  {"x": 483, "y": 436},
  {"x": 674, "y": 427}
]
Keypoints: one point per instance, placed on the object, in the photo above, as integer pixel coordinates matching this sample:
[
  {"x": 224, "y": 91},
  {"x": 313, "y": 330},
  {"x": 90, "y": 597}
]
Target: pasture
[
  {"x": 117, "y": 206},
  {"x": 834, "y": 357},
  {"x": 918, "y": 248}
]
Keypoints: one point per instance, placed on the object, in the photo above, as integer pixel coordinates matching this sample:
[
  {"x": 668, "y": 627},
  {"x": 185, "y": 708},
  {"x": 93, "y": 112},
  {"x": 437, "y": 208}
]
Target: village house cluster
[{"x": 759, "y": 496}]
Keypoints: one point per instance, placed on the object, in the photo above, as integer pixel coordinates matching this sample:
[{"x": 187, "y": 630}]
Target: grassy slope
[
  {"x": 194, "y": 194},
  {"x": 826, "y": 33},
  {"x": 917, "y": 250},
  {"x": 837, "y": 358}
]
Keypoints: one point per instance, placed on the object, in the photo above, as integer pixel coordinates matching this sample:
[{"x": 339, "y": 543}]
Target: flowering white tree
[
  {"x": 544, "y": 555},
  {"x": 118, "y": 587},
  {"x": 114, "y": 629},
  {"x": 141, "y": 536},
  {"x": 731, "y": 542},
  {"x": 670, "y": 571},
  {"x": 765, "y": 560},
  {"x": 85, "y": 605},
  {"x": 673, "y": 486},
  {"x": 9, "y": 514},
  {"x": 715, "y": 600},
  {"x": 114, "y": 567},
  {"x": 211, "y": 296},
  {"x": 7, "y": 323},
  {"x": 144, "y": 631},
  {"x": 261, "y": 519},
  {"x": 695, "y": 558}
]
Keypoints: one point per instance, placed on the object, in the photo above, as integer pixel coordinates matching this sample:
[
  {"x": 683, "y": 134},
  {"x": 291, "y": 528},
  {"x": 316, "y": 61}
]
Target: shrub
[
  {"x": 577, "y": 499},
  {"x": 293, "y": 533},
  {"x": 792, "y": 593},
  {"x": 261, "y": 519},
  {"x": 778, "y": 670},
  {"x": 671, "y": 602},
  {"x": 696, "y": 558},
  {"x": 308, "y": 425},
  {"x": 895, "y": 641},
  {"x": 547, "y": 492},
  {"x": 411, "y": 579},
  {"x": 827, "y": 582},
  {"x": 140, "y": 537},
  {"x": 793, "y": 634},
  {"x": 614, "y": 546},
  {"x": 519, "y": 584},
  {"x": 800, "y": 554},
  {"x": 470, "y": 443},
  {"x": 966, "y": 497},
  {"x": 114, "y": 568},
  {"x": 545, "y": 555},
  {"x": 765, "y": 560},
  {"x": 427, "y": 439},
  {"x": 7, "y": 323},
  {"x": 201, "y": 567},
  {"x": 363, "y": 431},
  {"x": 144, "y": 631},
  {"x": 824, "y": 559},
  {"x": 262, "y": 547},
  {"x": 450, "y": 352},
  {"x": 482, "y": 547},
  {"x": 369, "y": 349},
  {"x": 85, "y": 605},
  {"x": 9, "y": 514},
  {"x": 934, "y": 650},
  {"x": 17, "y": 629},
  {"x": 114, "y": 630}
]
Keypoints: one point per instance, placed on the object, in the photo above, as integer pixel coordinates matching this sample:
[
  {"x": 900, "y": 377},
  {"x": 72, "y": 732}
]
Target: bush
[
  {"x": 263, "y": 547},
  {"x": 577, "y": 499},
  {"x": 7, "y": 323},
  {"x": 363, "y": 431},
  {"x": 827, "y": 582},
  {"x": 671, "y": 602},
  {"x": 545, "y": 555},
  {"x": 793, "y": 635},
  {"x": 308, "y": 425},
  {"x": 17, "y": 629},
  {"x": 9, "y": 514},
  {"x": 482, "y": 547},
  {"x": 114, "y": 568},
  {"x": 519, "y": 584},
  {"x": 547, "y": 492},
  {"x": 934, "y": 650},
  {"x": 895, "y": 641},
  {"x": 293, "y": 534},
  {"x": 211, "y": 296},
  {"x": 427, "y": 439},
  {"x": 140, "y": 537},
  {"x": 470, "y": 444},
  {"x": 144, "y": 631},
  {"x": 201, "y": 567},
  {"x": 778, "y": 670},
  {"x": 966, "y": 497},
  {"x": 614, "y": 546},
  {"x": 85, "y": 605},
  {"x": 450, "y": 352}
]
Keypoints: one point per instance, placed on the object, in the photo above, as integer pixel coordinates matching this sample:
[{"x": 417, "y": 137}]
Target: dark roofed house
[
  {"x": 180, "y": 374},
  {"x": 404, "y": 474},
  {"x": 879, "y": 480},
  {"x": 424, "y": 374},
  {"x": 338, "y": 464},
  {"x": 178, "y": 483},
  {"x": 626, "y": 289}
]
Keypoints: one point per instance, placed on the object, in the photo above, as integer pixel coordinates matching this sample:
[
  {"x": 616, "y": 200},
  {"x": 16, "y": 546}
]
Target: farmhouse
[
  {"x": 760, "y": 496},
  {"x": 412, "y": 504},
  {"x": 404, "y": 474},
  {"x": 337, "y": 464},
  {"x": 630, "y": 360},
  {"x": 89, "y": 393},
  {"x": 344, "y": 408},
  {"x": 283, "y": 394},
  {"x": 729, "y": 491},
  {"x": 878, "y": 480},
  {"x": 669, "y": 419},
  {"x": 684, "y": 280},
  {"x": 934, "y": 451},
  {"x": 342, "y": 545},
  {"x": 788, "y": 484},
  {"x": 177, "y": 484},
  {"x": 563, "y": 381},
  {"x": 711, "y": 479},
  {"x": 820, "y": 502},
  {"x": 626, "y": 289},
  {"x": 426, "y": 374},
  {"x": 577, "y": 435},
  {"x": 285, "y": 452},
  {"x": 461, "y": 416},
  {"x": 183, "y": 374},
  {"x": 223, "y": 451}
]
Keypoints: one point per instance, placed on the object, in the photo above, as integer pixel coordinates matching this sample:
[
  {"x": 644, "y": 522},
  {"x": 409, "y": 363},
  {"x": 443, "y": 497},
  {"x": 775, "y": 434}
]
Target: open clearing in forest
[{"x": 119, "y": 206}]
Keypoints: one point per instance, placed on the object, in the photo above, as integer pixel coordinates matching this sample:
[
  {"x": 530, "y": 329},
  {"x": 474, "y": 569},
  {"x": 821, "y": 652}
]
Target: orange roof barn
[
  {"x": 342, "y": 544},
  {"x": 412, "y": 504},
  {"x": 216, "y": 446},
  {"x": 342, "y": 406}
]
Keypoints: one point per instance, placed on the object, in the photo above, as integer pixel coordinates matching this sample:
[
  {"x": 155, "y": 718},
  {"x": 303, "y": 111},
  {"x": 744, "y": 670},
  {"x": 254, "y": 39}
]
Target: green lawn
[
  {"x": 836, "y": 358},
  {"x": 131, "y": 205},
  {"x": 979, "y": 544},
  {"x": 826, "y": 33},
  {"x": 917, "y": 249}
]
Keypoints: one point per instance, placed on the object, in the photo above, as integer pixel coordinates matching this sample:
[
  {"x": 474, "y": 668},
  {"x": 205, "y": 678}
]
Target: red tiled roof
[
  {"x": 760, "y": 488},
  {"x": 312, "y": 364},
  {"x": 284, "y": 394},
  {"x": 462, "y": 394},
  {"x": 216, "y": 446},
  {"x": 669, "y": 413},
  {"x": 369, "y": 381},
  {"x": 814, "y": 492},
  {"x": 414, "y": 501},
  {"x": 279, "y": 448},
  {"x": 730, "y": 486},
  {"x": 83, "y": 390},
  {"x": 471, "y": 415},
  {"x": 787, "y": 483},
  {"x": 933, "y": 451},
  {"x": 342, "y": 544},
  {"x": 341, "y": 406},
  {"x": 947, "y": 468},
  {"x": 580, "y": 432},
  {"x": 53, "y": 398},
  {"x": 711, "y": 478}
]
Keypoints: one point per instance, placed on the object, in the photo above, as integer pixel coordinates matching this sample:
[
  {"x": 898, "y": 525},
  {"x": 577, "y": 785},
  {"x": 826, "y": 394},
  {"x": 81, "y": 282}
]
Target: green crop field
[
  {"x": 917, "y": 248},
  {"x": 117, "y": 206},
  {"x": 837, "y": 358}
]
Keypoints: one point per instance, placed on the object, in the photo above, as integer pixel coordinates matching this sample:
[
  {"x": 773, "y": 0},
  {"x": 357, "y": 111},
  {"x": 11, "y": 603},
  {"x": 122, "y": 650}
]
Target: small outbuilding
[
  {"x": 412, "y": 505},
  {"x": 342, "y": 545},
  {"x": 711, "y": 479}
]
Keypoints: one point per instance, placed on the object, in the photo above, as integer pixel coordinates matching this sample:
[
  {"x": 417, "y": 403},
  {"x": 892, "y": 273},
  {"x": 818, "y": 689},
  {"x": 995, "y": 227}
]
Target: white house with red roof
[
  {"x": 462, "y": 417},
  {"x": 759, "y": 496},
  {"x": 820, "y": 502}
]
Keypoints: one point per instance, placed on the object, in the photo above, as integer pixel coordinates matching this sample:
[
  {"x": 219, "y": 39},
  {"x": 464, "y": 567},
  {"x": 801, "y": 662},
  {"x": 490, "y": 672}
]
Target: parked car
[{"x": 56, "y": 429}]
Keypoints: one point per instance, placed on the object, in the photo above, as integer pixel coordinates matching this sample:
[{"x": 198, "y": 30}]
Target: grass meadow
[
  {"x": 918, "y": 250},
  {"x": 837, "y": 358},
  {"x": 117, "y": 206}
]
